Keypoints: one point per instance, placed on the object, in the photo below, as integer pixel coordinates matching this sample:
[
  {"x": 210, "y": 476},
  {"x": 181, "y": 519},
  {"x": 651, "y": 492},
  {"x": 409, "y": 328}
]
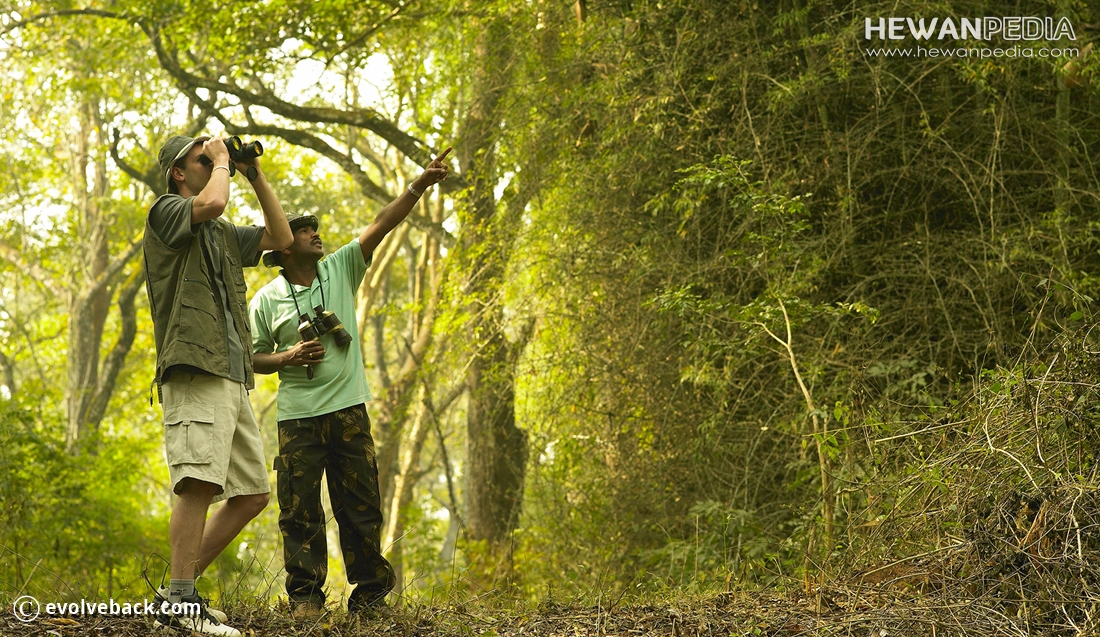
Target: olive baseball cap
[
  {"x": 296, "y": 220},
  {"x": 174, "y": 150}
]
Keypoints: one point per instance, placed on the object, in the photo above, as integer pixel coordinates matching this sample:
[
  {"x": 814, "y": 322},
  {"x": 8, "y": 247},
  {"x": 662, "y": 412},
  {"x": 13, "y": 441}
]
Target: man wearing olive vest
[
  {"x": 196, "y": 287},
  {"x": 322, "y": 412}
]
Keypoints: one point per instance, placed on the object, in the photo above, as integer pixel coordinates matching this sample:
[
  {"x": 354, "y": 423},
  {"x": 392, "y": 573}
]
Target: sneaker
[
  {"x": 162, "y": 596},
  {"x": 201, "y": 622}
]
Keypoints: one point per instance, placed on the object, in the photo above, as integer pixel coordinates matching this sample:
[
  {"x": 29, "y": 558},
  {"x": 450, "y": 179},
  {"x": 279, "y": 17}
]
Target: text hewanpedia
[{"x": 1006, "y": 28}]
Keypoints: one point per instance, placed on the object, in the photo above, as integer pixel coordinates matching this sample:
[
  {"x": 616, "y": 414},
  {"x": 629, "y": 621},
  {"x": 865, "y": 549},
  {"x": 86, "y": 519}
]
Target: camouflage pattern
[{"x": 339, "y": 444}]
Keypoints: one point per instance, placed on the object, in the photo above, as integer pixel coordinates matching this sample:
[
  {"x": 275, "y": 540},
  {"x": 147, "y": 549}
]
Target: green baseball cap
[{"x": 296, "y": 220}]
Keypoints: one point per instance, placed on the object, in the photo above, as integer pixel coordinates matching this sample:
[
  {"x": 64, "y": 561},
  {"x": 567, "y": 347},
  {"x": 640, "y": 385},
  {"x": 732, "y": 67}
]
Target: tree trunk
[
  {"x": 496, "y": 455},
  {"x": 91, "y": 380},
  {"x": 88, "y": 312},
  {"x": 496, "y": 448}
]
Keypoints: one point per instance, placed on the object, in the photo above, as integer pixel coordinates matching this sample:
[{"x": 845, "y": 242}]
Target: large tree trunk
[
  {"x": 88, "y": 310},
  {"x": 91, "y": 380},
  {"x": 496, "y": 448},
  {"x": 496, "y": 455}
]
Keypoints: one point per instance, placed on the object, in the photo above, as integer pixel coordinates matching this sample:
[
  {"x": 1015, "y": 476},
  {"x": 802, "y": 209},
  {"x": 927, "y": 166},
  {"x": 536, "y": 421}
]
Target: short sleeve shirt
[
  {"x": 339, "y": 381},
  {"x": 170, "y": 218}
]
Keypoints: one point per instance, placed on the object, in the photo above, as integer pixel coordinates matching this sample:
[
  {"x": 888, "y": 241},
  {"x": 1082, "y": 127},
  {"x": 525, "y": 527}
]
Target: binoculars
[
  {"x": 240, "y": 151},
  {"x": 321, "y": 323}
]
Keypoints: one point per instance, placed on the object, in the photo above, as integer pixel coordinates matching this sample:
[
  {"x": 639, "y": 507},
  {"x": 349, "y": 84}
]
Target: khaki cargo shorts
[{"x": 211, "y": 435}]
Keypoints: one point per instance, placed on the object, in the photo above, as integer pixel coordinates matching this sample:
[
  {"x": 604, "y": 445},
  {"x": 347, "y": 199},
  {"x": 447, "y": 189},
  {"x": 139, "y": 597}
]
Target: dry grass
[
  {"x": 838, "y": 612},
  {"x": 998, "y": 508}
]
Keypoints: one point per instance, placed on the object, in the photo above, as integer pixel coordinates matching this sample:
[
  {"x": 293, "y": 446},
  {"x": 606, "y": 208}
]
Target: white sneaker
[
  {"x": 162, "y": 596},
  {"x": 202, "y": 622}
]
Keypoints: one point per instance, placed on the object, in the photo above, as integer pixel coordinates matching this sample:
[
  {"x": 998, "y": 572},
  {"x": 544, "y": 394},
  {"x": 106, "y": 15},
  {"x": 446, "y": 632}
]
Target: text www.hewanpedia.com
[{"x": 972, "y": 52}]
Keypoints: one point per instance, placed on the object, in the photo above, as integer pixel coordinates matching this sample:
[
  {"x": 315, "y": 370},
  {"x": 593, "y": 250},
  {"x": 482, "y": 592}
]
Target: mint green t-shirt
[{"x": 339, "y": 380}]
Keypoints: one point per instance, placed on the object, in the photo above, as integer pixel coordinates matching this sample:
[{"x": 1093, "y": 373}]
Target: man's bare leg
[
  {"x": 185, "y": 529},
  {"x": 185, "y": 533},
  {"x": 226, "y": 523}
]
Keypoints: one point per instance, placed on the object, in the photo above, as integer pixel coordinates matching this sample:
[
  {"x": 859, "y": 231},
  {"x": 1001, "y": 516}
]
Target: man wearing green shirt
[{"x": 322, "y": 414}]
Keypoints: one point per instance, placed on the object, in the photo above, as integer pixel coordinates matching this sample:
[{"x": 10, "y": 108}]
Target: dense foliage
[{"x": 711, "y": 288}]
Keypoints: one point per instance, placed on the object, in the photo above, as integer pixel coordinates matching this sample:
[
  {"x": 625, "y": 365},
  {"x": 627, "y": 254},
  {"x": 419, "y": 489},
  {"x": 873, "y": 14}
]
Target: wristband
[
  {"x": 225, "y": 168},
  {"x": 412, "y": 191}
]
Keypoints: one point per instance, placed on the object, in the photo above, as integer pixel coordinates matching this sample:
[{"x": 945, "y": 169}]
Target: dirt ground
[{"x": 863, "y": 613}]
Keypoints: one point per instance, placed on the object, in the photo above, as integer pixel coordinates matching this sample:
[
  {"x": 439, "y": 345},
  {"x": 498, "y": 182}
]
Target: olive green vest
[{"x": 189, "y": 325}]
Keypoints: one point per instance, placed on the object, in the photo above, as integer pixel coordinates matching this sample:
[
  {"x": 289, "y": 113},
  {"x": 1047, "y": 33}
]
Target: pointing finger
[{"x": 440, "y": 158}]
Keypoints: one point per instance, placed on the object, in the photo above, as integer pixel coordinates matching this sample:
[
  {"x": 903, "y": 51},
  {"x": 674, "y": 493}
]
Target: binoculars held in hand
[
  {"x": 240, "y": 151},
  {"x": 322, "y": 322}
]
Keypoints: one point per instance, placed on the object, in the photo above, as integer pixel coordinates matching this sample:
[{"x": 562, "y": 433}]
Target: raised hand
[
  {"x": 434, "y": 173},
  {"x": 396, "y": 211},
  {"x": 214, "y": 149}
]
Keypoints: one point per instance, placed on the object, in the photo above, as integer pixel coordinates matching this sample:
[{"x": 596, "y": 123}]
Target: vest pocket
[
  {"x": 189, "y": 434},
  {"x": 197, "y": 315}
]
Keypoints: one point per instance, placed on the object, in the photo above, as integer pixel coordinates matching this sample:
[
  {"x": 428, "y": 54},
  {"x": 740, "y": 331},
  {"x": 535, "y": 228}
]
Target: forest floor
[{"x": 866, "y": 613}]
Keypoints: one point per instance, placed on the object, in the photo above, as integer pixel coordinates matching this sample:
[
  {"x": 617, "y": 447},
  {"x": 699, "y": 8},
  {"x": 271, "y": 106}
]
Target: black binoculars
[
  {"x": 323, "y": 322},
  {"x": 240, "y": 151}
]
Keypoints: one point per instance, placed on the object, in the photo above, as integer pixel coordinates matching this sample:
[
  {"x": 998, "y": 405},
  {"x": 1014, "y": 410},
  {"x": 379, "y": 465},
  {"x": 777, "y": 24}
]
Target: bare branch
[{"x": 298, "y": 138}]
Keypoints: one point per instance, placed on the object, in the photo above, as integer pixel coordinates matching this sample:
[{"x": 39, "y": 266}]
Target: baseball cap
[{"x": 296, "y": 220}]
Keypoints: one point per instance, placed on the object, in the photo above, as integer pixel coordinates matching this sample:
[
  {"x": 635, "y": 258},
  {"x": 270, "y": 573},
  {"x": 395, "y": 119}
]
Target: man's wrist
[{"x": 253, "y": 173}]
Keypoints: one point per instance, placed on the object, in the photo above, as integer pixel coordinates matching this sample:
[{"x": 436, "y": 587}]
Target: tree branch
[
  {"x": 113, "y": 268},
  {"x": 60, "y": 13},
  {"x": 298, "y": 138},
  {"x": 380, "y": 351},
  {"x": 411, "y": 147},
  {"x": 151, "y": 177},
  {"x": 369, "y": 32}
]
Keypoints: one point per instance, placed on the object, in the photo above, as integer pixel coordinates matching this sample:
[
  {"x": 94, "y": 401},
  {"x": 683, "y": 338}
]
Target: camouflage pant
[{"x": 340, "y": 445}]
